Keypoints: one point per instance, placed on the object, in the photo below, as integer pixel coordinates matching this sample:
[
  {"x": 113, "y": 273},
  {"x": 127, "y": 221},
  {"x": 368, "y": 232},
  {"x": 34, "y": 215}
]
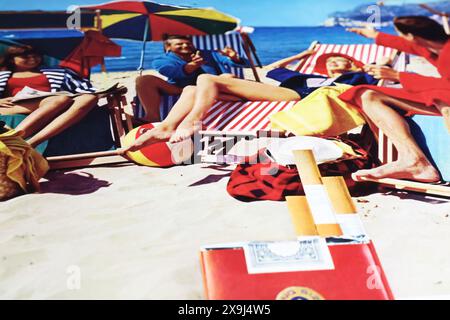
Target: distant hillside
[{"x": 388, "y": 12}]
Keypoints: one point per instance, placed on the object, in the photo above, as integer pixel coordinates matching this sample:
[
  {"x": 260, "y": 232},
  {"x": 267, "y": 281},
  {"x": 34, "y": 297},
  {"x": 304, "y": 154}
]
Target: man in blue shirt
[{"x": 182, "y": 64}]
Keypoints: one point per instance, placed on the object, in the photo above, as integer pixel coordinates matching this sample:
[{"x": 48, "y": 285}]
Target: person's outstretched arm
[
  {"x": 391, "y": 41},
  {"x": 286, "y": 61}
]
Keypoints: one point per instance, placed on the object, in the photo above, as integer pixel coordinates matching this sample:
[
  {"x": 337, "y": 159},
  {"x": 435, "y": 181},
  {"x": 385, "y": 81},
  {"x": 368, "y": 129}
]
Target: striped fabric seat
[
  {"x": 233, "y": 118},
  {"x": 219, "y": 41},
  {"x": 243, "y": 116},
  {"x": 254, "y": 116},
  {"x": 366, "y": 53}
]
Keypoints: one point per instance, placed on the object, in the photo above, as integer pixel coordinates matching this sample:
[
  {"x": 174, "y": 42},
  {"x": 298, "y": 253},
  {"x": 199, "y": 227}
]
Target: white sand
[{"x": 135, "y": 233}]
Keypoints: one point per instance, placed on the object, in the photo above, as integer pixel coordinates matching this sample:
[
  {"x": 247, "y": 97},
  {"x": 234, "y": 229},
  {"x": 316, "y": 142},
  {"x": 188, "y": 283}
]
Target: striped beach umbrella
[{"x": 150, "y": 21}]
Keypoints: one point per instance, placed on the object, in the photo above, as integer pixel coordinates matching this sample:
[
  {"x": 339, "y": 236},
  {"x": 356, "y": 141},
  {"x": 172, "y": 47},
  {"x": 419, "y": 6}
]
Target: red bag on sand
[{"x": 270, "y": 181}]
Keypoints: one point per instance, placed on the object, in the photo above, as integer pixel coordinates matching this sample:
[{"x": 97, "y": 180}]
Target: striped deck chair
[
  {"x": 227, "y": 122},
  {"x": 231, "y": 39}
]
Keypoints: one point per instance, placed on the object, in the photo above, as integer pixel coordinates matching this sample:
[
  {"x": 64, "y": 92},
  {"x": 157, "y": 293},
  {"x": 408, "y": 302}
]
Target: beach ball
[{"x": 162, "y": 154}]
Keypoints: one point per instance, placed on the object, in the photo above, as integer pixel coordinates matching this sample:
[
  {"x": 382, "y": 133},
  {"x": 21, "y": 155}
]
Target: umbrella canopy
[
  {"x": 71, "y": 49},
  {"x": 149, "y": 21}
]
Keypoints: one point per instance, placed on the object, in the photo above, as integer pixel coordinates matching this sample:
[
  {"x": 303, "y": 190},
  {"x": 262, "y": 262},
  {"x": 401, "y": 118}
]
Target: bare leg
[
  {"x": 29, "y": 106},
  {"x": 210, "y": 87},
  {"x": 149, "y": 90},
  {"x": 412, "y": 163},
  {"x": 44, "y": 111},
  {"x": 165, "y": 130},
  {"x": 80, "y": 107}
]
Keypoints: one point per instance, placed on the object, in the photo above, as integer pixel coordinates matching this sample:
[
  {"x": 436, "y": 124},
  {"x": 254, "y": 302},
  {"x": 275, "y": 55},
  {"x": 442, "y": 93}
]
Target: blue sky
[{"x": 251, "y": 12}]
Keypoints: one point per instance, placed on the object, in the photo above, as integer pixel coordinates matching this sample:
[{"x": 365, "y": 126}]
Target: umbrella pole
[
  {"x": 98, "y": 25},
  {"x": 144, "y": 40}
]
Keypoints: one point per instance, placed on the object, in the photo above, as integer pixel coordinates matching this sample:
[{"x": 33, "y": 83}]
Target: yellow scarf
[{"x": 25, "y": 165}]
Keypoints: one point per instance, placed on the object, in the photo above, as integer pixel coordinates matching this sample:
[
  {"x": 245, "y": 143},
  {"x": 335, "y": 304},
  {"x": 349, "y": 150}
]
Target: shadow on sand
[
  {"x": 72, "y": 183},
  {"x": 213, "y": 178}
]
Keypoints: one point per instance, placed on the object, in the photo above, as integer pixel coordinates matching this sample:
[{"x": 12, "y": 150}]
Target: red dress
[
  {"x": 416, "y": 88},
  {"x": 39, "y": 82}
]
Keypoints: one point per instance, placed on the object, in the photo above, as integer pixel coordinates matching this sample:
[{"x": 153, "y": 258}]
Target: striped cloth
[
  {"x": 254, "y": 116},
  {"x": 366, "y": 53},
  {"x": 60, "y": 79},
  {"x": 243, "y": 116},
  {"x": 219, "y": 41}
]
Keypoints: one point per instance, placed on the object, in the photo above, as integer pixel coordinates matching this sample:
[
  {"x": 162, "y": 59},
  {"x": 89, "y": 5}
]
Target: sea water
[{"x": 272, "y": 44}]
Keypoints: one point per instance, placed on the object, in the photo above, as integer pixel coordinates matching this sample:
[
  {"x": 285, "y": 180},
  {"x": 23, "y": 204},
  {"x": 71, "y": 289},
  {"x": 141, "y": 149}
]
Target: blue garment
[
  {"x": 298, "y": 81},
  {"x": 172, "y": 66}
]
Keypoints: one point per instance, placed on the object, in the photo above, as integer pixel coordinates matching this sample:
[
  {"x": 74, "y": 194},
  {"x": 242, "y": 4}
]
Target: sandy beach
[{"x": 131, "y": 232}]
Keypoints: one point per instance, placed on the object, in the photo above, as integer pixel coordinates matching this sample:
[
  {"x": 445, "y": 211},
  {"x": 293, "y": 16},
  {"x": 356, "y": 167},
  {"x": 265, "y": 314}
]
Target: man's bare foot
[
  {"x": 159, "y": 134},
  {"x": 421, "y": 171},
  {"x": 185, "y": 130}
]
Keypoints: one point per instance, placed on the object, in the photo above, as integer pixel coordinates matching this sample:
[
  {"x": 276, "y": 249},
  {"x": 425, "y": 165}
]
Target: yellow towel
[
  {"x": 321, "y": 113},
  {"x": 25, "y": 165}
]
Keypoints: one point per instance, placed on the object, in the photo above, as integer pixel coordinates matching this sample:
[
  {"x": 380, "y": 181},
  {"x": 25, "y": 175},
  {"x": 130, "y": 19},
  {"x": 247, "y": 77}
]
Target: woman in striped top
[{"x": 47, "y": 116}]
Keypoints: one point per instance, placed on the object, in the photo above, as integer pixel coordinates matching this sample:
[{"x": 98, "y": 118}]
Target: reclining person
[
  {"x": 182, "y": 64},
  {"x": 183, "y": 120},
  {"x": 47, "y": 116},
  {"x": 419, "y": 95},
  {"x": 330, "y": 68}
]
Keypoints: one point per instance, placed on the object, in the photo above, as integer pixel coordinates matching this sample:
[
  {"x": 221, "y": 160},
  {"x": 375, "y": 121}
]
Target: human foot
[
  {"x": 149, "y": 137},
  {"x": 421, "y": 171},
  {"x": 185, "y": 130}
]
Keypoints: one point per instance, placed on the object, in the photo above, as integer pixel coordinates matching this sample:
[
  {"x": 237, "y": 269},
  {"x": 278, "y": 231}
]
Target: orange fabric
[{"x": 90, "y": 53}]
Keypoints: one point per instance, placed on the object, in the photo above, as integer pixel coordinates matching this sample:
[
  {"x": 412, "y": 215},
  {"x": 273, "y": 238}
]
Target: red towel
[{"x": 270, "y": 181}]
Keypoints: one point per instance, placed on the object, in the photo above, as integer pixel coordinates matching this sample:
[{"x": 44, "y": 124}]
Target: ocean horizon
[{"x": 272, "y": 44}]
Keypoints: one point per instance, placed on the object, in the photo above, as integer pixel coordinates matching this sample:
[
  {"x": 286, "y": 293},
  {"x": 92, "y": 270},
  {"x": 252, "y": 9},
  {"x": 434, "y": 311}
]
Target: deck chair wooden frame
[{"x": 119, "y": 111}]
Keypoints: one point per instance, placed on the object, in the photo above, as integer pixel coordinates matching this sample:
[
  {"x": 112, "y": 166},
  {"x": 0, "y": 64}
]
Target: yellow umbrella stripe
[
  {"x": 200, "y": 13},
  {"x": 109, "y": 19}
]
